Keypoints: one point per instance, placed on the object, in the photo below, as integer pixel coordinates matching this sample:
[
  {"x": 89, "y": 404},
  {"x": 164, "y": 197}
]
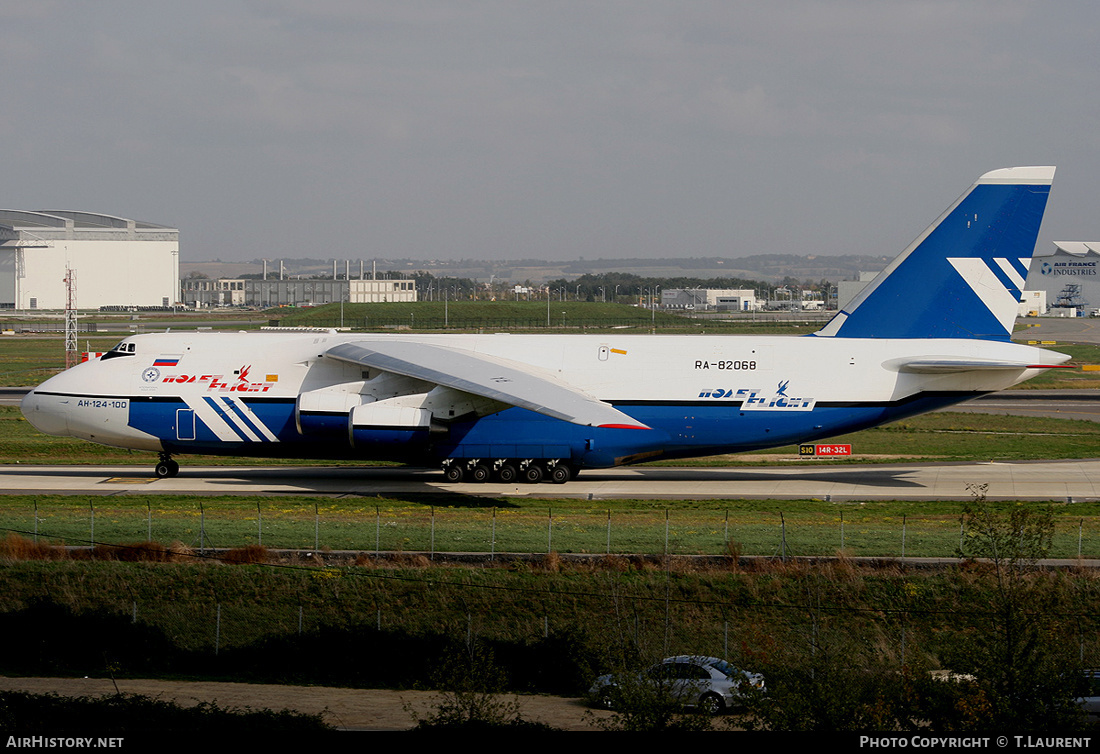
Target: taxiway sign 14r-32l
[{"x": 931, "y": 330}]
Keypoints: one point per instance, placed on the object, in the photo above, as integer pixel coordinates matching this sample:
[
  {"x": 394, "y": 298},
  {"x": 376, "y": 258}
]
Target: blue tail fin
[{"x": 963, "y": 277}]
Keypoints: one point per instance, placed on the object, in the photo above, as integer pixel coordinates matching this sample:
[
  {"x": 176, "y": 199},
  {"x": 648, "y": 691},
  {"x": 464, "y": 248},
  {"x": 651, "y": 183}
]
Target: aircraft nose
[{"x": 46, "y": 413}]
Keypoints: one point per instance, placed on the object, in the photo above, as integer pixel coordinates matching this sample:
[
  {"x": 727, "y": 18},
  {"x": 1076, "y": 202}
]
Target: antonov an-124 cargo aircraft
[{"x": 931, "y": 330}]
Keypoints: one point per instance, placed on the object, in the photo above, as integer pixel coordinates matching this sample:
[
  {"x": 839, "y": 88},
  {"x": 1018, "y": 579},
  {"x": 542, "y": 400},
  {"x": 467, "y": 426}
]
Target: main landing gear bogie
[{"x": 506, "y": 470}]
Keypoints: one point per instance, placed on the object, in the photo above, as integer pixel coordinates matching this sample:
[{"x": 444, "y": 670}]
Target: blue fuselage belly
[{"x": 266, "y": 427}]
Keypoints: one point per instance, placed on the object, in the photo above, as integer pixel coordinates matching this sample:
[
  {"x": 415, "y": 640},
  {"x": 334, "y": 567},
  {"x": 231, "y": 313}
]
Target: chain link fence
[{"x": 344, "y": 525}]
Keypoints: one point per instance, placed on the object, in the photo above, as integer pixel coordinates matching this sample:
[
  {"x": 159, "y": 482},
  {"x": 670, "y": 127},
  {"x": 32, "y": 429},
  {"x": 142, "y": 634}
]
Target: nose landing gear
[{"x": 166, "y": 467}]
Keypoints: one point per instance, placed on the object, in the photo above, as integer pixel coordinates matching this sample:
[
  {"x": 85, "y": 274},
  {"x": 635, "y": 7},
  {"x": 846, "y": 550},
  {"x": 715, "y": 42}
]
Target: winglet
[{"x": 962, "y": 277}]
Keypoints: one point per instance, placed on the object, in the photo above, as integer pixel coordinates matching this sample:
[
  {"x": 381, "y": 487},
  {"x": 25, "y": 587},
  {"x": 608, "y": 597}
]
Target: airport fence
[{"x": 359, "y": 526}]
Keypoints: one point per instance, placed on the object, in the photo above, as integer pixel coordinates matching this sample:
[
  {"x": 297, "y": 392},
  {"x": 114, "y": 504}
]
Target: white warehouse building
[
  {"x": 739, "y": 299},
  {"x": 115, "y": 261},
  {"x": 1070, "y": 275}
]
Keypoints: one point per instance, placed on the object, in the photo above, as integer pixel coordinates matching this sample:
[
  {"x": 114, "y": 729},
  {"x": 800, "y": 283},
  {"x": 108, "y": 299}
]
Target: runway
[
  {"x": 796, "y": 480},
  {"x": 1082, "y": 405}
]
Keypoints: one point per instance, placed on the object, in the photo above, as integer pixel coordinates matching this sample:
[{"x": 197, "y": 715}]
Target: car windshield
[{"x": 725, "y": 668}]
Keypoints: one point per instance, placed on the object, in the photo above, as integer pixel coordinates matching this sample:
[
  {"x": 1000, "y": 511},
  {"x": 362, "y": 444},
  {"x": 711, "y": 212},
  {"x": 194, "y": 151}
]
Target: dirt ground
[{"x": 347, "y": 709}]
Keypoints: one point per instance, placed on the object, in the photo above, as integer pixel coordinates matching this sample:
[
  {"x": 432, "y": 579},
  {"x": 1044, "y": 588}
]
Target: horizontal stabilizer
[
  {"x": 954, "y": 365},
  {"x": 478, "y": 374}
]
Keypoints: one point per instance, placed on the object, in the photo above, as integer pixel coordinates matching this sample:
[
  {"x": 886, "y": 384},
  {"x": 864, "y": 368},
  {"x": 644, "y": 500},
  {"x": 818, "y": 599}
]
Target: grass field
[
  {"x": 564, "y": 316},
  {"x": 1073, "y": 379},
  {"x": 29, "y": 360},
  {"x": 484, "y": 525},
  {"x": 459, "y": 315}
]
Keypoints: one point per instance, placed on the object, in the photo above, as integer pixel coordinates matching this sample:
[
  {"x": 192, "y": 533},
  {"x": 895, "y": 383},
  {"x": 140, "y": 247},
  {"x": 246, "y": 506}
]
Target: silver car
[
  {"x": 1090, "y": 702},
  {"x": 707, "y": 683}
]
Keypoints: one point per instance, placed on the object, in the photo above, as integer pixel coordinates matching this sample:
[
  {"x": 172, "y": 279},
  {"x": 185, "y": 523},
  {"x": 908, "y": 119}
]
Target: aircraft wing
[{"x": 498, "y": 379}]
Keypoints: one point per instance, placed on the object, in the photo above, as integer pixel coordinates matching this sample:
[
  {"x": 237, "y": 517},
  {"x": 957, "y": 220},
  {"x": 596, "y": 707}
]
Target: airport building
[
  {"x": 1070, "y": 276},
  {"x": 846, "y": 290},
  {"x": 1032, "y": 304},
  {"x": 381, "y": 291},
  {"x": 203, "y": 293},
  {"x": 701, "y": 299},
  {"x": 115, "y": 262}
]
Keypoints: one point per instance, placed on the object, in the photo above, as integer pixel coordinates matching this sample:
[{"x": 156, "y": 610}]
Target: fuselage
[{"x": 274, "y": 394}]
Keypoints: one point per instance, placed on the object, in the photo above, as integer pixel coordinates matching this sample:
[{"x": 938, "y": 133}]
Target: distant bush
[
  {"x": 15, "y": 547},
  {"x": 249, "y": 554},
  {"x": 471, "y": 698},
  {"x": 132, "y": 713},
  {"x": 52, "y": 639}
]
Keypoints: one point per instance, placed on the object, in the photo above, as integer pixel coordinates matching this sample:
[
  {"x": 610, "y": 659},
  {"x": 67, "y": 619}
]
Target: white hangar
[
  {"x": 1070, "y": 274},
  {"x": 116, "y": 262}
]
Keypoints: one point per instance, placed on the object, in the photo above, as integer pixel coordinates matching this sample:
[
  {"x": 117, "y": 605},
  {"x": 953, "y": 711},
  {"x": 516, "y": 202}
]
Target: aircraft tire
[
  {"x": 561, "y": 473},
  {"x": 533, "y": 474},
  {"x": 453, "y": 473},
  {"x": 506, "y": 473},
  {"x": 166, "y": 469},
  {"x": 480, "y": 473}
]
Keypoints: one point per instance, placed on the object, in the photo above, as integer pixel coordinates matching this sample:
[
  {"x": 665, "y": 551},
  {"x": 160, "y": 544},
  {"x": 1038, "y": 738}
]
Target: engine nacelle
[
  {"x": 324, "y": 412},
  {"x": 383, "y": 423}
]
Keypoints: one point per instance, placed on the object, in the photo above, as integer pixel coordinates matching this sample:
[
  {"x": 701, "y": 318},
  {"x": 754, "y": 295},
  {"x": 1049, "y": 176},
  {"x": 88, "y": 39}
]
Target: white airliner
[{"x": 931, "y": 330}]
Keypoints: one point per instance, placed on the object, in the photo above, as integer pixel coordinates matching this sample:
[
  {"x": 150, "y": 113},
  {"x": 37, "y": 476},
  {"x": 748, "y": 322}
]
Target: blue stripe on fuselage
[
  {"x": 227, "y": 418},
  {"x": 690, "y": 428},
  {"x": 244, "y": 418}
]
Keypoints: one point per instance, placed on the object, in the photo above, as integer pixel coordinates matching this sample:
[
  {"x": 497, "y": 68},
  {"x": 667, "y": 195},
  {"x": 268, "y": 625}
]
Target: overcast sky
[{"x": 500, "y": 130}]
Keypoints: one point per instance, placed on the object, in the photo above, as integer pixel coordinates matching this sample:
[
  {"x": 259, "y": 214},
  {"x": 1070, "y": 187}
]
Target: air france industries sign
[{"x": 1076, "y": 269}]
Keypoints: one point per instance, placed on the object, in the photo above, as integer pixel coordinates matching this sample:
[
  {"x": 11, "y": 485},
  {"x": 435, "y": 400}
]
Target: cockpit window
[{"x": 122, "y": 349}]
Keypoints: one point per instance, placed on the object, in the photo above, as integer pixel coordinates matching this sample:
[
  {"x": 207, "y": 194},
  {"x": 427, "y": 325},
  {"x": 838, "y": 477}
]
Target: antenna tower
[{"x": 72, "y": 355}]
